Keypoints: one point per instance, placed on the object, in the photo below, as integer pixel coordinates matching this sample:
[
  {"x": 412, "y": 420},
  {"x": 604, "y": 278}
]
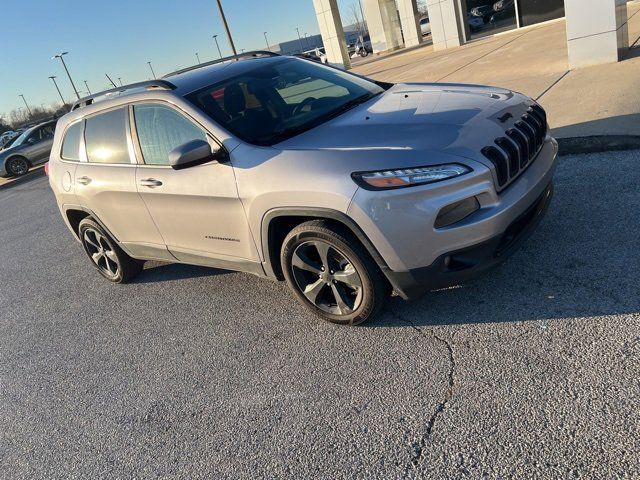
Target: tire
[
  {"x": 105, "y": 254},
  {"x": 17, "y": 166},
  {"x": 329, "y": 264}
]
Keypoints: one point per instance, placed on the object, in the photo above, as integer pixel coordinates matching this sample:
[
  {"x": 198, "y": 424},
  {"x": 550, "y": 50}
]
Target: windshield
[
  {"x": 277, "y": 101},
  {"x": 20, "y": 140}
]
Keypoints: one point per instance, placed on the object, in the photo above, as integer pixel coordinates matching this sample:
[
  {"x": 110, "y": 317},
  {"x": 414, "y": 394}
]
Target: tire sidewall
[
  {"x": 10, "y": 171},
  {"x": 295, "y": 239},
  {"x": 87, "y": 224}
]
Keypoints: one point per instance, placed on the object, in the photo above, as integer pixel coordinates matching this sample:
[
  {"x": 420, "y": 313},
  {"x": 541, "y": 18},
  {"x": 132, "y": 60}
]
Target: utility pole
[
  {"x": 152, "y": 72},
  {"x": 226, "y": 27},
  {"x": 25, "y": 104},
  {"x": 198, "y": 57},
  {"x": 87, "y": 85},
  {"x": 215, "y": 37},
  {"x": 53, "y": 78},
  {"x": 61, "y": 57},
  {"x": 267, "y": 40},
  {"x": 299, "y": 40}
]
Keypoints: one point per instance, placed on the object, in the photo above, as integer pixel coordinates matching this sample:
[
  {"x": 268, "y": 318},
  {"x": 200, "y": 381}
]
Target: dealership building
[{"x": 596, "y": 29}]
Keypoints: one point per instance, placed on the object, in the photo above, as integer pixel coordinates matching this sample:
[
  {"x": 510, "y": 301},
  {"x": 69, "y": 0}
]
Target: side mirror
[{"x": 190, "y": 154}]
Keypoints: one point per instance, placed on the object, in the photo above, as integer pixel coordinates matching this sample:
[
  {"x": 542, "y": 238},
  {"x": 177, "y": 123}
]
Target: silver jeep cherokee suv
[{"x": 346, "y": 188}]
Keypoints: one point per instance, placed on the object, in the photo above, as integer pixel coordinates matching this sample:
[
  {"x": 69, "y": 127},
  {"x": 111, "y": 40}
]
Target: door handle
[
  {"x": 151, "y": 183},
  {"x": 84, "y": 180}
]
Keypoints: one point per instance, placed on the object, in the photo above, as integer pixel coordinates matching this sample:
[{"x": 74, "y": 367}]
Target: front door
[
  {"x": 197, "y": 210},
  {"x": 39, "y": 144},
  {"x": 105, "y": 184}
]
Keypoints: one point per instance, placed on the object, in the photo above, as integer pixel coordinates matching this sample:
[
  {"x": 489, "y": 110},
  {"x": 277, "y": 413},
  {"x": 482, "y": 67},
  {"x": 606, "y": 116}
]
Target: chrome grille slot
[
  {"x": 513, "y": 153},
  {"x": 500, "y": 161}
]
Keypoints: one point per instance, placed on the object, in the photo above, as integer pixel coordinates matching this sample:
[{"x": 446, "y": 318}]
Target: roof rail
[
  {"x": 160, "y": 84},
  {"x": 241, "y": 56}
]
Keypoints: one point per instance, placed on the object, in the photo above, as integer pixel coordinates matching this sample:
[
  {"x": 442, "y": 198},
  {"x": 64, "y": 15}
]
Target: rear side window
[
  {"x": 71, "y": 142},
  {"x": 162, "y": 129},
  {"x": 106, "y": 138}
]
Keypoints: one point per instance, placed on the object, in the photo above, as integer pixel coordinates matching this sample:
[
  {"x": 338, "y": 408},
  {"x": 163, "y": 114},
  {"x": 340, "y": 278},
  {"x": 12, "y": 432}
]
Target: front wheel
[
  {"x": 332, "y": 274},
  {"x": 17, "y": 166}
]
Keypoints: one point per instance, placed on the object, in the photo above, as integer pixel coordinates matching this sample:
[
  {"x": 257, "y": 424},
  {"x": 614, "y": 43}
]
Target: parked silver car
[
  {"x": 30, "y": 149},
  {"x": 346, "y": 188}
]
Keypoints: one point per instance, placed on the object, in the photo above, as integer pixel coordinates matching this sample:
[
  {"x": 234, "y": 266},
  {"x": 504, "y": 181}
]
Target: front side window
[
  {"x": 106, "y": 138},
  {"x": 71, "y": 142},
  {"x": 281, "y": 99},
  {"x": 162, "y": 129}
]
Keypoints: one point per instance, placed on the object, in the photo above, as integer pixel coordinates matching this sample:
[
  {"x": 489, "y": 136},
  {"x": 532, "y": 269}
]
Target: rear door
[
  {"x": 106, "y": 185},
  {"x": 197, "y": 210}
]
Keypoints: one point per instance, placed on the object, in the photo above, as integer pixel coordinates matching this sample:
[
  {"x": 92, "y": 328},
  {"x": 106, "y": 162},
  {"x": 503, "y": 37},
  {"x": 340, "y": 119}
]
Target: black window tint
[
  {"x": 162, "y": 129},
  {"x": 71, "y": 142},
  {"x": 106, "y": 139}
]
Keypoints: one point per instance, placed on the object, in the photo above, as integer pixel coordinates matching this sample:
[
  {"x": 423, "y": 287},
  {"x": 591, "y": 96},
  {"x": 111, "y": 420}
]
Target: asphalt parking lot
[{"x": 530, "y": 372}]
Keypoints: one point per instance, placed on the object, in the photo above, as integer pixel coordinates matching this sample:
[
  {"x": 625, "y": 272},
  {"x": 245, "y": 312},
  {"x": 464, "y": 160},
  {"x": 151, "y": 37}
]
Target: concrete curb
[
  {"x": 14, "y": 182},
  {"x": 598, "y": 144}
]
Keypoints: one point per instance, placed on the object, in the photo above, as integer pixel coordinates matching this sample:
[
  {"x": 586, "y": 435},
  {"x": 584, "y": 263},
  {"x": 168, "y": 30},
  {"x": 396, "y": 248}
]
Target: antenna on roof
[{"x": 114, "y": 85}]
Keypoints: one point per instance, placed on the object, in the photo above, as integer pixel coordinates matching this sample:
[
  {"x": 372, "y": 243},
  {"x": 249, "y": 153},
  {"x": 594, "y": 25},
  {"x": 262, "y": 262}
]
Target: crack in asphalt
[{"x": 421, "y": 446}]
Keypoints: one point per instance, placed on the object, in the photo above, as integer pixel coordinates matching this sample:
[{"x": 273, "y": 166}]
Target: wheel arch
[
  {"x": 278, "y": 222},
  {"x": 16, "y": 155}
]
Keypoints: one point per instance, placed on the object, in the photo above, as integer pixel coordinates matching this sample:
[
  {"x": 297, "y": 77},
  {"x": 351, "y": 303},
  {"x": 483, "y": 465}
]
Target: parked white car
[{"x": 425, "y": 26}]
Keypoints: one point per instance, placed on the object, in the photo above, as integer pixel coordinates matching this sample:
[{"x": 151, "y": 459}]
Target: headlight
[{"x": 408, "y": 177}]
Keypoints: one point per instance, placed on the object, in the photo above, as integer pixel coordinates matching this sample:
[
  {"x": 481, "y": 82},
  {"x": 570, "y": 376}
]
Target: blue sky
[{"x": 118, "y": 37}]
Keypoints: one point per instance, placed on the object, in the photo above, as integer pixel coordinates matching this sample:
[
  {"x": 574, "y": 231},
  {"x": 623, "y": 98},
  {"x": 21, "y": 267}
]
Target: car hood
[
  {"x": 8, "y": 151},
  {"x": 452, "y": 119}
]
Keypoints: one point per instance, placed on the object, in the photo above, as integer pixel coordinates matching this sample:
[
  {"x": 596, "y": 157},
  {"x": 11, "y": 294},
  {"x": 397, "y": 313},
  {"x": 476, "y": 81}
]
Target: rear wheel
[
  {"x": 332, "y": 274},
  {"x": 17, "y": 166},
  {"x": 105, "y": 255}
]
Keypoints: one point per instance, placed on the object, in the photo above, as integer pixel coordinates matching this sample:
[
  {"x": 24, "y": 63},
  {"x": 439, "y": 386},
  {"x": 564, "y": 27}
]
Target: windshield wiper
[
  {"x": 285, "y": 133},
  {"x": 350, "y": 104}
]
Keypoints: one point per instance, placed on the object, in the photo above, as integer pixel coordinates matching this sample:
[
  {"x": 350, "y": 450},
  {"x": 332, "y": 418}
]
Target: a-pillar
[
  {"x": 335, "y": 43},
  {"x": 597, "y": 31}
]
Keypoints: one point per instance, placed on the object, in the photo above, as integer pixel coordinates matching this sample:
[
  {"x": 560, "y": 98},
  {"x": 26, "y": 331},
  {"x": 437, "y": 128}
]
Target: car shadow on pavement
[{"x": 156, "y": 272}]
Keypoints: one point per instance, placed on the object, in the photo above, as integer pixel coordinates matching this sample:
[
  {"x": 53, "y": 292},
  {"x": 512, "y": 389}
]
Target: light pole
[
  {"x": 25, "y": 104},
  {"x": 198, "y": 57},
  {"x": 61, "y": 57},
  {"x": 226, "y": 27},
  {"x": 364, "y": 27},
  {"x": 87, "y": 85},
  {"x": 152, "y": 72},
  {"x": 110, "y": 81},
  {"x": 267, "y": 40},
  {"x": 120, "y": 80},
  {"x": 306, "y": 40},
  {"x": 215, "y": 37},
  {"x": 299, "y": 40},
  {"x": 53, "y": 78}
]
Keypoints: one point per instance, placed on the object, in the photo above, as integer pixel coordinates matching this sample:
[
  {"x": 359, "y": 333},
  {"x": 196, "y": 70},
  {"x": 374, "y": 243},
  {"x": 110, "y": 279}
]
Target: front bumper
[{"x": 458, "y": 266}]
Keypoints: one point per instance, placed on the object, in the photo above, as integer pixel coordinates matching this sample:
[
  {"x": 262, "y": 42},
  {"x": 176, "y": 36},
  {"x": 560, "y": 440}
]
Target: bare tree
[
  {"x": 19, "y": 117},
  {"x": 355, "y": 18},
  {"x": 422, "y": 8}
]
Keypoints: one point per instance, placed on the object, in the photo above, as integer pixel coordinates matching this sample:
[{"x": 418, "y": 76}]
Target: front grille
[{"x": 514, "y": 152}]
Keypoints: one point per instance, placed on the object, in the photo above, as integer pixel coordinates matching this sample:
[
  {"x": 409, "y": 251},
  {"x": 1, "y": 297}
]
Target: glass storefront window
[
  {"x": 486, "y": 17},
  {"x": 537, "y": 11}
]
